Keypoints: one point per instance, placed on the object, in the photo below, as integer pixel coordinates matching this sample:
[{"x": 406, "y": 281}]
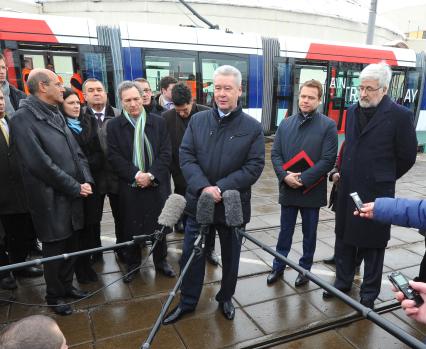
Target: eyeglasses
[
  {"x": 368, "y": 89},
  {"x": 146, "y": 90}
]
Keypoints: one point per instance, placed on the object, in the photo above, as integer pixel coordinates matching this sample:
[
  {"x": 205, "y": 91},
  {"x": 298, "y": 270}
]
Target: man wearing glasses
[
  {"x": 56, "y": 177},
  {"x": 380, "y": 147},
  {"x": 149, "y": 102}
]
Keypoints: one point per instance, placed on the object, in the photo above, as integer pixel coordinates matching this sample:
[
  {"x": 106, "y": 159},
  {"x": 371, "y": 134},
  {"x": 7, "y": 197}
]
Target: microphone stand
[
  {"x": 367, "y": 313},
  {"x": 158, "y": 235},
  {"x": 198, "y": 249}
]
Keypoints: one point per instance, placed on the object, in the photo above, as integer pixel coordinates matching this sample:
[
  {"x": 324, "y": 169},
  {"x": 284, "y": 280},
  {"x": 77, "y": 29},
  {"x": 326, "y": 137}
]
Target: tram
[{"x": 272, "y": 68}]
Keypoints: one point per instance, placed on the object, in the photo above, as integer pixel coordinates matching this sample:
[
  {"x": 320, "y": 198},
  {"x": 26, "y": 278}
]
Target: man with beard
[{"x": 380, "y": 147}]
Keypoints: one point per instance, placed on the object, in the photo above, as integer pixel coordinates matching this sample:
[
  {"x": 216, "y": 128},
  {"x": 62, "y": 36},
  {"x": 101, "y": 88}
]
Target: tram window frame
[
  {"x": 175, "y": 55},
  {"x": 223, "y": 58}
]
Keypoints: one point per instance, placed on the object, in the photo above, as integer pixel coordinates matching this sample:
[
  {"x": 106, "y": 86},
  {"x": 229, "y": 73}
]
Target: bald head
[
  {"x": 33, "y": 332},
  {"x": 45, "y": 84}
]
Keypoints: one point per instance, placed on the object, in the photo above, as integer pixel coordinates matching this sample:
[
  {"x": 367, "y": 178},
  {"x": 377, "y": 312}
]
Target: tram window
[
  {"x": 284, "y": 91},
  {"x": 411, "y": 96},
  {"x": 396, "y": 86},
  {"x": 210, "y": 62},
  {"x": 177, "y": 64},
  {"x": 305, "y": 73},
  {"x": 35, "y": 61},
  {"x": 63, "y": 68}
]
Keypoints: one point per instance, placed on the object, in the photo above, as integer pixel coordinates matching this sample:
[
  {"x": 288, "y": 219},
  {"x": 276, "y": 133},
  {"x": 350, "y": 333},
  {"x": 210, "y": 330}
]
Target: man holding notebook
[{"x": 304, "y": 151}]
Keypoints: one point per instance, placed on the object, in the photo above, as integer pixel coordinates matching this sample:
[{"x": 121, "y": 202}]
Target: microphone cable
[{"x": 156, "y": 238}]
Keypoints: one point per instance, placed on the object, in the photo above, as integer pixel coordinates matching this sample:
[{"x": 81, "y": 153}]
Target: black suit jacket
[
  {"x": 177, "y": 127},
  {"x": 12, "y": 194}
]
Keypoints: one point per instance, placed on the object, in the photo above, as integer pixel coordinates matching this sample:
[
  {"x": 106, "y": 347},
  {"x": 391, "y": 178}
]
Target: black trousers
[
  {"x": 19, "y": 235},
  {"x": 192, "y": 283},
  {"x": 59, "y": 274},
  {"x": 347, "y": 258}
]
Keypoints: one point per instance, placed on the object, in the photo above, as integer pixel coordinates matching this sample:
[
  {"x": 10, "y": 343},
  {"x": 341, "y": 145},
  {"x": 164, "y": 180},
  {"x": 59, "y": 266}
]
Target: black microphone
[
  {"x": 233, "y": 208},
  {"x": 204, "y": 216},
  {"x": 169, "y": 216}
]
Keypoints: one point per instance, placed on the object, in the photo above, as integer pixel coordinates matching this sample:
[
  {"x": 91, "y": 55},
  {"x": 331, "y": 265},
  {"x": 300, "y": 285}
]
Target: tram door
[
  {"x": 341, "y": 91},
  {"x": 61, "y": 63}
]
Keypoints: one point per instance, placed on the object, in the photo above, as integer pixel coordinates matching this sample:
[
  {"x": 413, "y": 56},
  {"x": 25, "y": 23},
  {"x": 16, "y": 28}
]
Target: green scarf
[{"x": 140, "y": 141}]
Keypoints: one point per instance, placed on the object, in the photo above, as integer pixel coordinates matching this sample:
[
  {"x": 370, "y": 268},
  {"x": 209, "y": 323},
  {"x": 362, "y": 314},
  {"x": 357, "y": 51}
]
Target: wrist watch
[{"x": 151, "y": 176}]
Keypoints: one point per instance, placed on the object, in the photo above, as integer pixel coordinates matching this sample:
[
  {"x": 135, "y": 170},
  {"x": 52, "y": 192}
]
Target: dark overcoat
[
  {"x": 372, "y": 162},
  {"x": 89, "y": 143},
  {"x": 316, "y": 135},
  {"x": 227, "y": 152},
  {"x": 177, "y": 127},
  {"x": 139, "y": 207},
  {"x": 106, "y": 179},
  {"x": 53, "y": 167},
  {"x": 12, "y": 194}
]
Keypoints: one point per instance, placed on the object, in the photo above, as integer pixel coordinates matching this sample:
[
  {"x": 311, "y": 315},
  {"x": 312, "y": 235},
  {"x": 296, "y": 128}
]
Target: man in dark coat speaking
[
  {"x": 139, "y": 152},
  {"x": 222, "y": 149},
  {"x": 56, "y": 176},
  {"x": 380, "y": 147}
]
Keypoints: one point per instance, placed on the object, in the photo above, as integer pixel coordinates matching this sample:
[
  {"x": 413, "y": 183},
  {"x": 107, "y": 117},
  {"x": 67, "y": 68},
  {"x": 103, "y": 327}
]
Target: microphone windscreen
[
  {"x": 233, "y": 208},
  {"x": 172, "y": 210},
  {"x": 205, "y": 209}
]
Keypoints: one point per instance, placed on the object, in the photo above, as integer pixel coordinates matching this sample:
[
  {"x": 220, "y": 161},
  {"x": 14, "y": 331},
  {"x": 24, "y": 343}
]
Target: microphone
[
  {"x": 172, "y": 211},
  {"x": 169, "y": 216},
  {"x": 205, "y": 212},
  {"x": 233, "y": 208}
]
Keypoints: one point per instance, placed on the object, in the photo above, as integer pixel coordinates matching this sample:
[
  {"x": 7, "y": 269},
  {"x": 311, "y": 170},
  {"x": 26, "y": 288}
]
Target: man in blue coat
[
  {"x": 222, "y": 149},
  {"x": 380, "y": 147},
  {"x": 302, "y": 188}
]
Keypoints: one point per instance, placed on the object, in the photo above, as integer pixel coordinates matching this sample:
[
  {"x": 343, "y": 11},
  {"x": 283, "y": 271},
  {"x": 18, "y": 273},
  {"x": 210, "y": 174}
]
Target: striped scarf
[{"x": 140, "y": 141}]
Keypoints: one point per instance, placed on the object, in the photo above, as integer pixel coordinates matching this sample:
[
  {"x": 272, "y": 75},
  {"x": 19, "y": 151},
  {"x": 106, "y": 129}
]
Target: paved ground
[{"x": 120, "y": 316}]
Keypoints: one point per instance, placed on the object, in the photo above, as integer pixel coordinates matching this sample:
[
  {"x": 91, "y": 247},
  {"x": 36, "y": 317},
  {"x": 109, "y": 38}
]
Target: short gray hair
[
  {"x": 228, "y": 70},
  {"x": 34, "y": 79},
  {"x": 83, "y": 88},
  {"x": 380, "y": 72},
  {"x": 127, "y": 85}
]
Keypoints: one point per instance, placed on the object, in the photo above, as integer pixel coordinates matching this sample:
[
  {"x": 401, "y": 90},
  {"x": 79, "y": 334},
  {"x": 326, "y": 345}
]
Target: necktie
[
  {"x": 4, "y": 130},
  {"x": 99, "y": 119}
]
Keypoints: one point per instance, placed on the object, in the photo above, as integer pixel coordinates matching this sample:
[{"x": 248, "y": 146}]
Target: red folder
[{"x": 299, "y": 163}]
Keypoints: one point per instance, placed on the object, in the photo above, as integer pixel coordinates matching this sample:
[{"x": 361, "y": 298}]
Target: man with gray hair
[
  {"x": 222, "y": 149},
  {"x": 33, "y": 332},
  {"x": 56, "y": 177},
  {"x": 380, "y": 147},
  {"x": 139, "y": 152}
]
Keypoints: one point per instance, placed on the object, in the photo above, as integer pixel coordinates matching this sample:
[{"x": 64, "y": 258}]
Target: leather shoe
[
  {"x": 273, "y": 276},
  {"x": 369, "y": 303},
  {"x": 76, "y": 293},
  {"x": 212, "y": 258},
  {"x": 331, "y": 260},
  {"x": 29, "y": 272},
  {"x": 8, "y": 283},
  {"x": 228, "y": 309},
  {"x": 61, "y": 308},
  {"x": 175, "y": 315},
  {"x": 328, "y": 295},
  {"x": 301, "y": 280},
  {"x": 165, "y": 268}
]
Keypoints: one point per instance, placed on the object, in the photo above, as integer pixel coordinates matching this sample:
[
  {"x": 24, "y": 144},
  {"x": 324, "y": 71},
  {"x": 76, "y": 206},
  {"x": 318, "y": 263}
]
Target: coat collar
[
  {"x": 124, "y": 122},
  {"x": 380, "y": 115}
]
